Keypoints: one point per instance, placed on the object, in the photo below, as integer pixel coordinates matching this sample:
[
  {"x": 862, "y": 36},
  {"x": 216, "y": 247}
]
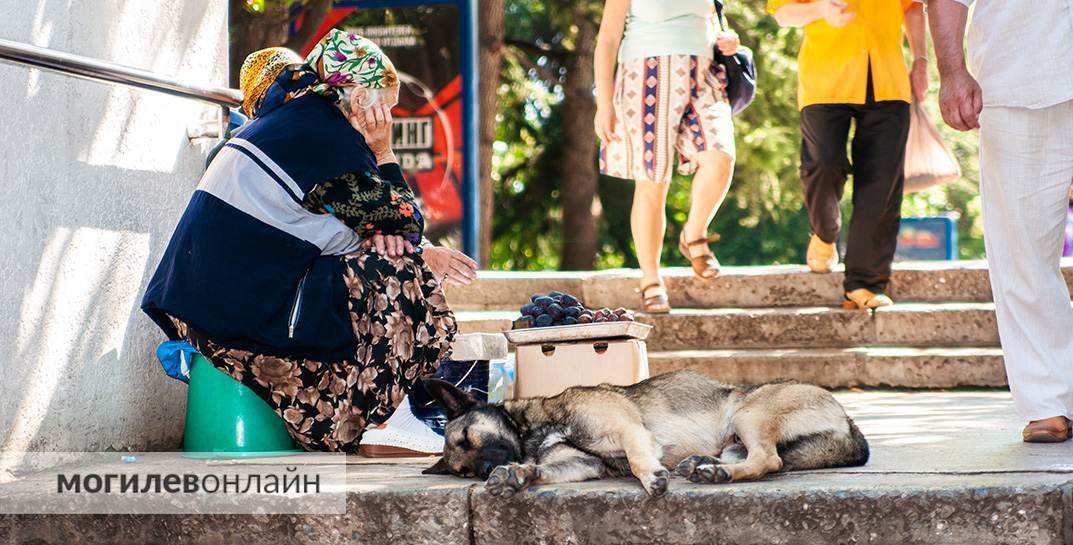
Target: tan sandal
[
  {"x": 705, "y": 266},
  {"x": 655, "y": 304},
  {"x": 821, "y": 256},
  {"x": 863, "y": 299}
]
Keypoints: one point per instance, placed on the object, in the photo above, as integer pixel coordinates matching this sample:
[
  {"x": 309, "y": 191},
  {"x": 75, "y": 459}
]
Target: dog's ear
[
  {"x": 454, "y": 402},
  {"x": 439, "y": 468}
]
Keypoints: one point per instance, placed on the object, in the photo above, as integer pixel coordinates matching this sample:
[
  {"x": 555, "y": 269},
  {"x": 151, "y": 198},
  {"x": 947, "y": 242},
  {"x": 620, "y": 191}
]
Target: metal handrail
[
  {"x": 97, "y": 70},
  {"x": 94, "y": 69}
]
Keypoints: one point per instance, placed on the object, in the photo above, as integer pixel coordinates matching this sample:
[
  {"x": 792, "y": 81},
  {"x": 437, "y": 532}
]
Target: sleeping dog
[{"x": 706, "y": 431}]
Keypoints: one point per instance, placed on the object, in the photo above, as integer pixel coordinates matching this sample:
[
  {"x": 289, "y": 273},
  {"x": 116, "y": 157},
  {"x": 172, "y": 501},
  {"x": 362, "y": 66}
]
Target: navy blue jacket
[{"x": 248, "y": 267}]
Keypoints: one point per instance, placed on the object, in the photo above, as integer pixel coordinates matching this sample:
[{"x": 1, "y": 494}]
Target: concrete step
[
  {"x": 905, "y": 324},
  {"x": 748, "y": 287},
  {"x": 945, "y": 468},
  {"x": 897, "y": 367}
]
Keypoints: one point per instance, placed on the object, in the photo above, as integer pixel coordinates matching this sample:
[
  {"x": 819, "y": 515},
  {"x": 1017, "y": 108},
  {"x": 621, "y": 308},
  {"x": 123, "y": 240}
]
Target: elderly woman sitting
[{"x": 299, "y": 266}]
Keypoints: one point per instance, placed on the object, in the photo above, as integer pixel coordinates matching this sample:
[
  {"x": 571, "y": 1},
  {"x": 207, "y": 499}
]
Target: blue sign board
[{"x": 928, "y": 238}]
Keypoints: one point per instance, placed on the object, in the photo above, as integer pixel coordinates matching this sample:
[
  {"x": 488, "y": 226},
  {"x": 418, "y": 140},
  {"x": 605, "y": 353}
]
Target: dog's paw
[
  {"x": 703, "y": 469},
  {"x": 687, "y": 468},
  {"x": 506, "y": 480},
  {"x": 713, "y": 473},
  {"x": 655, "y": 484}
]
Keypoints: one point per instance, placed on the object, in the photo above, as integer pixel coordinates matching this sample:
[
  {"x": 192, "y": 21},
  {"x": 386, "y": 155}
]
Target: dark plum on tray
[
  {"x": 555, "y": 310},
  {"x": 558, "y": 308}
]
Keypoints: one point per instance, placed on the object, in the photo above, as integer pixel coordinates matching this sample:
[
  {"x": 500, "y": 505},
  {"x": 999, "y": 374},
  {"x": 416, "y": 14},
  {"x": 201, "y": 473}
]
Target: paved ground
[
  {"x": 954, "y": 433},
  {"x": 946, "y": 468}
]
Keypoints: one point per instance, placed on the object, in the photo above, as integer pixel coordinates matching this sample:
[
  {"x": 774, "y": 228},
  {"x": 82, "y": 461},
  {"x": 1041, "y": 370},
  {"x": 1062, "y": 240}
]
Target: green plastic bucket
[{"x": 225, "y": 419}]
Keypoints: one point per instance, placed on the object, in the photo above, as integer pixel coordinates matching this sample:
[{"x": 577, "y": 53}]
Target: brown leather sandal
[
  {"x": 705, "y": 266},
  {"x": 1048, "y": 430},
  {"x": 655, "y": 304}
]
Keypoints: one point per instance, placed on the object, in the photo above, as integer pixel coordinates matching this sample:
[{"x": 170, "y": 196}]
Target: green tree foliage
[{"x": 763, "y": 220}]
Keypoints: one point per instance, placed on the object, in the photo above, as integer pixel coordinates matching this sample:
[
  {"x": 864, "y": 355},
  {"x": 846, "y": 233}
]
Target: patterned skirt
[
  {"x": 404, "y": 328},
  {"x": 666, "y": 104}
]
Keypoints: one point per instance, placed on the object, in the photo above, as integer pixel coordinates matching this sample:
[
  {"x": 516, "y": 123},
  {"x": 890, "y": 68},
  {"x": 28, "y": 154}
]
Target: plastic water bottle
[{"x": 501, "y": 379}]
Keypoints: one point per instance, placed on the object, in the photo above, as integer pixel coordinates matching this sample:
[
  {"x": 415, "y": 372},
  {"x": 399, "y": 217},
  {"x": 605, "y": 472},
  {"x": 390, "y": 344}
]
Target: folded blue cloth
[{"x": 176, "y": 358}]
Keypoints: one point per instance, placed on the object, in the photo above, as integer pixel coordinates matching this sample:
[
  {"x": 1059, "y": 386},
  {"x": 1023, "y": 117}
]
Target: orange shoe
[
  {"x": 822, "y": 256},
  {"x": 862, "y": 299},
  {"x": 1048, "y": 430}
]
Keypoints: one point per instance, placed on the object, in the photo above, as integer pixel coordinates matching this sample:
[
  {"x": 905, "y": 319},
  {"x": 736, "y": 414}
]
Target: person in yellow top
[{"x": 851, "y": 68}]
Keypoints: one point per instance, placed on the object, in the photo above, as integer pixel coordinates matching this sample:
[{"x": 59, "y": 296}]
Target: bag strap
[{"x": 719, "y": 14}]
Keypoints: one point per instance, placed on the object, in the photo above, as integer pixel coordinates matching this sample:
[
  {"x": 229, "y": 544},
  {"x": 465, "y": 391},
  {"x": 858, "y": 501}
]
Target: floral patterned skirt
[{"x": 404, "y": 328}]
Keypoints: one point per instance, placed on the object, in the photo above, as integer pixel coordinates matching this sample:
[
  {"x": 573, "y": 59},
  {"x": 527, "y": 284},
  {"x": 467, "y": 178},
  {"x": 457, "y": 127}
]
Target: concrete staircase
[{"x": 756, "y": 324}]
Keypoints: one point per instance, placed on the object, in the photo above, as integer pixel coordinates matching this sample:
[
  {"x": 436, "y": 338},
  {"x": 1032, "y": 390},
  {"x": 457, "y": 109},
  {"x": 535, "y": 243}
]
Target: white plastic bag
[{"x": 928, "y": 160}]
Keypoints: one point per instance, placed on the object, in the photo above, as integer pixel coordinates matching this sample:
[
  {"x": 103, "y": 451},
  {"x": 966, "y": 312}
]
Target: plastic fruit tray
[{"x": 579, "y": 332}]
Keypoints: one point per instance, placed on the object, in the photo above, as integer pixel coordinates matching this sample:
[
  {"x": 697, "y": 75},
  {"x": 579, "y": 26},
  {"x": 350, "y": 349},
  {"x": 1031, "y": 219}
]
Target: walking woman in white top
[{"x": 657, "y": 91}]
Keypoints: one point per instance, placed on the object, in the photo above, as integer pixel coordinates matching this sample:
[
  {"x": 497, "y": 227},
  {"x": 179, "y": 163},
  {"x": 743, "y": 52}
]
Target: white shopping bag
[{"x": 928, "y": 160}]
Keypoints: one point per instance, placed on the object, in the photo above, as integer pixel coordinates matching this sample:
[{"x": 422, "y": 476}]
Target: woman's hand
[
  {"x": 389, "y": 245},
  {"x": 728, "y": 42},
  {"x": 605, "y": 122},
  {"x": 374, "y": 123},
  {"x": 836, "y": 12},
  {"x": 450, "y": 265}
]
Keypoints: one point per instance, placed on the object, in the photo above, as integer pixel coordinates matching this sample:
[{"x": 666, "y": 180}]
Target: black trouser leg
[
  {"x": 824, "y": 165},
  {"x": 878, "y": 179}
]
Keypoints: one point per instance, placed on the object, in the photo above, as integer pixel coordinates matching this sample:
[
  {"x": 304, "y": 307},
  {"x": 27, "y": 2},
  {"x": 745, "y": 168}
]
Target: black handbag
[{"x": 740, "y": 70}]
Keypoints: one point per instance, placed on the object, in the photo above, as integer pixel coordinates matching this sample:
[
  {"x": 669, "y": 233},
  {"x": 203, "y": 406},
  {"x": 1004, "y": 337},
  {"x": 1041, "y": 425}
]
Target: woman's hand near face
[
  {"x": 375, "y": 124},
  {"x": 450, "y": 265}
]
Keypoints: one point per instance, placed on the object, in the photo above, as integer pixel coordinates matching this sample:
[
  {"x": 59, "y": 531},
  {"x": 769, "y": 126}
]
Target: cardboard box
[
  {"x": 479, "y": 346},
  {"x": 548, "y": 369}
]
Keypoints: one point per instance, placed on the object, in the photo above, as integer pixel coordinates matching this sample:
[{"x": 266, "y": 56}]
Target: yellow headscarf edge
[{"x": 259, "y": 70}]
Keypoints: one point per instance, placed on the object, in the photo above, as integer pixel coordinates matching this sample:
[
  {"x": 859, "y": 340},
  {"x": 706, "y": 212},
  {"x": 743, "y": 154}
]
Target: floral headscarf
[
  {"x": 259, "y": 71},
  {"x": 340, "y": 59},
  {"x": 344, "y": 59}
]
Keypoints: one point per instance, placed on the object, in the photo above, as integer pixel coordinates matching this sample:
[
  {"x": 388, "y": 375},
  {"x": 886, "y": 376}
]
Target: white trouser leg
[{"x": 1026, "y": 168}]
